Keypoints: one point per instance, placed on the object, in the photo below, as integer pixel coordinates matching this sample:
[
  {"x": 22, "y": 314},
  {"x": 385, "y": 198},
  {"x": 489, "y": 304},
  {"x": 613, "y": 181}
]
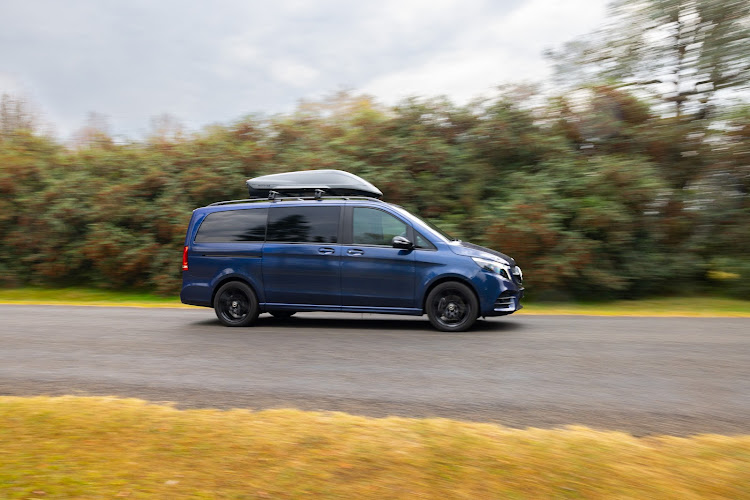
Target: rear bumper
[{"x": 196, "y": 294}]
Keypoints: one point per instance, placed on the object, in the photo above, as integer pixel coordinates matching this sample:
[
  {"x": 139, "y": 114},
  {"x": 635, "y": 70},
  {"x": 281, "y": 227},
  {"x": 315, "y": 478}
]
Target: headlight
[{"x": 493, "y": 266}]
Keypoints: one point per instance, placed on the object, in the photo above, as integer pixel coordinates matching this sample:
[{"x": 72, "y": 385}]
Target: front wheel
[
  {"x": 452, "y": 307},
  {"x": 235, "y": 304}
]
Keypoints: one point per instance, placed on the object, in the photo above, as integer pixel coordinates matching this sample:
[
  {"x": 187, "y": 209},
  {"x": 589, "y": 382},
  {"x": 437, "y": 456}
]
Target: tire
[
  {"x": 452, "y": 307},
  {"x": 235, "y": 304},
  {"x": 282, "y": 314}
]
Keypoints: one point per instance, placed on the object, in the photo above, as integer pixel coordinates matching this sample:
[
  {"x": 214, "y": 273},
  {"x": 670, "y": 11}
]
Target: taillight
[{"x": 184, "y": 259}]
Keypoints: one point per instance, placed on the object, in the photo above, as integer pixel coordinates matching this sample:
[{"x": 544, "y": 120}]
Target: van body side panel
[
  {"x": 211, "y": 263},
  {"x": 377, "y": 277},
  {"x": 302, "y": 273}
]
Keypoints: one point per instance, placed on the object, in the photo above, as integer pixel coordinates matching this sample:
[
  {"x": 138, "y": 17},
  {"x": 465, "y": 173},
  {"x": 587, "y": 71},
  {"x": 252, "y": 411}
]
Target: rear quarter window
[{"x": 233, "y": 226}]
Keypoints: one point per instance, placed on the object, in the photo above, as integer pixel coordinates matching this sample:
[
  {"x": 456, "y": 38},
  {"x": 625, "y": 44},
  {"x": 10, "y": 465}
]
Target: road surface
[{"x": 640, "y": 375}]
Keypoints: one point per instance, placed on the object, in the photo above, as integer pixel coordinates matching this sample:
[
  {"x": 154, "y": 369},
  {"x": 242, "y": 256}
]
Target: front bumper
[
  {"x": 503, "y": 296},
  {"x": 508, "y": 302}
]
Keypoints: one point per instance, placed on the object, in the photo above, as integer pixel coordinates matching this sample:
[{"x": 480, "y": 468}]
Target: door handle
[
  {"x": 326, "y": 250},
  {"x": 355, "y": 251}
]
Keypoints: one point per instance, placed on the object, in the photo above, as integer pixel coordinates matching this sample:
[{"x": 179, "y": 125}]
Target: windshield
[{"x": 426, "y": 223}]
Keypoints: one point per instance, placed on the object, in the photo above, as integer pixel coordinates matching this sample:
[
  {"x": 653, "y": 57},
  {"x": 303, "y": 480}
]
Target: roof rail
[{"x": 229, "y": 202}]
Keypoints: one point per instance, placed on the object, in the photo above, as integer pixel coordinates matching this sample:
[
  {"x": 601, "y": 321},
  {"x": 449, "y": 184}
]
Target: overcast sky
[{"x": 207, "y": 62}]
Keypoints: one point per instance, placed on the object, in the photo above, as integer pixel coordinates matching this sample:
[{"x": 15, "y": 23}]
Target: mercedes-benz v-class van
[{"x": 340, "y": 249}]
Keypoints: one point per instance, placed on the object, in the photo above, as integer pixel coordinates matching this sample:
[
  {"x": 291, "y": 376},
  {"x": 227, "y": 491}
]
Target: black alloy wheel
[
  {"x": 235, "y": 304},
  {"x": 452, "y": 307}
]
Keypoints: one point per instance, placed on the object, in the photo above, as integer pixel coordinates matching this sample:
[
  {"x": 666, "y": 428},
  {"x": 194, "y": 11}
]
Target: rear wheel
[
  {"x": 235, "y": 304},
  {"x": 452, "y": 307}
]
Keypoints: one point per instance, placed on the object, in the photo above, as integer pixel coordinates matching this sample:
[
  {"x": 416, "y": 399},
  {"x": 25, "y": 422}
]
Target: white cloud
[
  {"x": 236, "y": 54},
  {"x": 239, "y": 51},
  {"x": 503, "y": 49},
  {"x": 9, "y": 84},
  {"x": 416, "y": 14},
  {"x": 293, "y": 73},
  {"x": 541, "y": 23},
  {"x": 214, "y": 62},
  {"x": 458, "y": 75}
]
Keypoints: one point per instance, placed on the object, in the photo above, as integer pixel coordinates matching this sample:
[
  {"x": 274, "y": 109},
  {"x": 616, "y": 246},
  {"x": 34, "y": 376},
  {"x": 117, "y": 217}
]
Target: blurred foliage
[
  {"x": 636, "y": 183},
  {"x": 688, "y": 53}
]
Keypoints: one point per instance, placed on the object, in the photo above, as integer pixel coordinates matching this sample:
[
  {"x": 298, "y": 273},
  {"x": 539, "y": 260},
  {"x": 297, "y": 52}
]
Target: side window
[
  {"x": 375, "y": 227},
  {"x": 312, "y": 224},
  {"x": 233, "y": 226},
  {"x": 423, "y": 242}
]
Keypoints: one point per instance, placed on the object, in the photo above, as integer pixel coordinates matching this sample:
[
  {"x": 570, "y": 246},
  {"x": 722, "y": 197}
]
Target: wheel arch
[
  {"x": 226, "y": 280},
  {"x": 445, "y": 279}
]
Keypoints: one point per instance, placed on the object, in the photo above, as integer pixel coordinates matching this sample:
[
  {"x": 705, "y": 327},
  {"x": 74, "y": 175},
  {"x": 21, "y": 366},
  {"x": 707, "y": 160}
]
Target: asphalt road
[{"x": 640, "y": 375}]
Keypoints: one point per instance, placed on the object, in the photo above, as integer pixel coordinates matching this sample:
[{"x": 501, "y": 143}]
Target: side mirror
[{"x": 401, "y": 242}]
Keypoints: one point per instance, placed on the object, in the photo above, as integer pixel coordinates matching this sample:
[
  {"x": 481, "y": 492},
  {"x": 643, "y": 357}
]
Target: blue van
[{"x": 339, "y": 249}]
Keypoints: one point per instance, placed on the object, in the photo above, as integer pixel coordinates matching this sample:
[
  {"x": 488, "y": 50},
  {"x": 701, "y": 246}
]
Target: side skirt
[{"x": 407, "y": 311}]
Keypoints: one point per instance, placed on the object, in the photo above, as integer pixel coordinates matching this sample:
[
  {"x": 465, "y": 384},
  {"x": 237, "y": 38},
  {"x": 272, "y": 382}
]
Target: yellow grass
[
  {"x": 85, "y": 297},
  {"x": 74, "y": 447},
  {"x": 667, "y": 306}
]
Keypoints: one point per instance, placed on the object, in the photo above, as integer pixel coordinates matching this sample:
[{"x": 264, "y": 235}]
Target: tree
[
  {"x": 96, "y": 132},
  {"x": 687, "y": 53},
  {"x": 15, "y": 116},
  {"x": 689, "y": 57}
]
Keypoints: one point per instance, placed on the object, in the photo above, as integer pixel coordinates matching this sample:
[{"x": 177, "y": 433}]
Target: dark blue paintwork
[
  {"x": 302, "y": 273},
  {"x": 378, "y": 277},
  {"x": 341, "y": 276}
]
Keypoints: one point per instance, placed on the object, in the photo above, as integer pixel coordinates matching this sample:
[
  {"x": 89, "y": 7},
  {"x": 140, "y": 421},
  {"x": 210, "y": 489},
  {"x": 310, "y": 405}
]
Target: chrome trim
[{"x": 505, "y": 304}]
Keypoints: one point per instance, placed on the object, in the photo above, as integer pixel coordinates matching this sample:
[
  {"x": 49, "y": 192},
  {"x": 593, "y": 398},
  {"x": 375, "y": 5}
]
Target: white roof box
[{"x": 306, "y": 182}]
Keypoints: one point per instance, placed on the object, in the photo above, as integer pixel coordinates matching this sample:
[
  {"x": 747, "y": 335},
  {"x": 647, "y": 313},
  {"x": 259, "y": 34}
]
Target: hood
[{"x": 472, "y": 250}]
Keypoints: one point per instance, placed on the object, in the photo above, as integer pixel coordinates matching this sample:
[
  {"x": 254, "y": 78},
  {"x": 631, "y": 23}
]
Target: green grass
[
  {"x": 669, "y": 306},
  {"x": 76, "y": 447}
]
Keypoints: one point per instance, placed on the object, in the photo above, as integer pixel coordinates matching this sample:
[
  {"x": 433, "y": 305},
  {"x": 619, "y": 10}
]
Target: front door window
[{"x": 375, "y": 227}]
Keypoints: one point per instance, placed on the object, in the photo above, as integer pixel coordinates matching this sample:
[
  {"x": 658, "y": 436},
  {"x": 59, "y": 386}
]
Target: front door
[{"x": 373, "y": 273}]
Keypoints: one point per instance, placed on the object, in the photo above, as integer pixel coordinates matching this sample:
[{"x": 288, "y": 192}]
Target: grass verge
[
  {"x": 666, "y": 306},
  {"x": 108, "y": 448},
  {"x": 85, "y": 297},
  {"x": 669, "y": 306}
]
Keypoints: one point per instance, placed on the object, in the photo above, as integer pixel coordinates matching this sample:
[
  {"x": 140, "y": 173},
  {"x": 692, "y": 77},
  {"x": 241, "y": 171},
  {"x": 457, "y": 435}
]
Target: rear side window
[
  {"x": 233, "y": 226},
  {"x": 304, "y": 224}
]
